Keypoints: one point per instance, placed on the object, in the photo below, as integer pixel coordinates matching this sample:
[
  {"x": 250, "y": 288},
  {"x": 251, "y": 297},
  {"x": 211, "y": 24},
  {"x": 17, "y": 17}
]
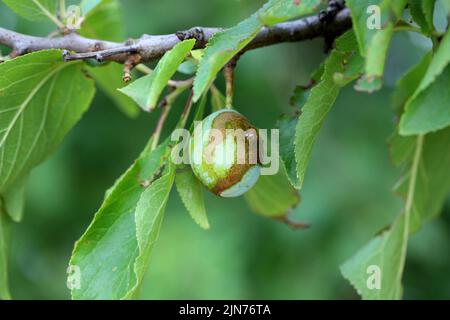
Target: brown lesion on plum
[{"x": 233, "y": 120}]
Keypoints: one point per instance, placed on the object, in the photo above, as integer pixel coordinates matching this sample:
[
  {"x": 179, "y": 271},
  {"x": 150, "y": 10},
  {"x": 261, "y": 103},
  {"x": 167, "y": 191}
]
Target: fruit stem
[{"x": 229, "y": 79}]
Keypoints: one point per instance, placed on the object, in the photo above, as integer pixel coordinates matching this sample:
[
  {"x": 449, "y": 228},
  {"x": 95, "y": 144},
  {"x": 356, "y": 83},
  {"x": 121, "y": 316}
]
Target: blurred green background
[{"x": 347, "y": 196}]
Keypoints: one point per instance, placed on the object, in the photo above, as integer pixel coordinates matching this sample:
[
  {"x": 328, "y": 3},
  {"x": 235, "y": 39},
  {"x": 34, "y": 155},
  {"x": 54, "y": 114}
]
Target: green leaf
[
  {"x": 189, "y": 187},
  {"x": 353, "y": 64},
  {"x": 387, "y": 252},
  {"x": 422, "y": 13},
  {"x": 5, "y": 224},
  {"x": 272, "y": 196},
  {"x": 191, "y": 192},
  {"x": 146, "y": 90},
  {"x": 113, "y": 253},
  {"x": 375, "y": 60},
  {"x": 319, "y": 103},
  {"x": 425, "y": 186},
  {"x": 408, "y": 83},
  {"x": 11, "y": 209},
  {"x": 33, "y": 9},
  {"x": 373, "y": 42},
  {"x": 149, "y": 216},
  {"x": 276, "y": 11},
  {"x": 197, "y": 54},
  {"x": 401, "y": 148},
  {"x": 188, "y": 67},
  {"x": 441, "y": 59},
  {"x": 104, "y": 20},
  {"x": 354, "y": 69},
  {"x": 225, "y": 45},
  {"x": 433, "y": 180},
  {"x": 287, "y": 127},
  {"x": 383, "y": 252},
  {"x": 14, "y": 200},
  {"x": 427, "y": 110},
  {"x": 221, "y": 48},
  {"x": 88, "y": 5},
  {"x": 428, "y": 12},
  {"x": 41, "y": 99}
]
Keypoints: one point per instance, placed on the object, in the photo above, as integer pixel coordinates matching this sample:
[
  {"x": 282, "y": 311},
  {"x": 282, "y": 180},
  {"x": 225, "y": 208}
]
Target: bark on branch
[{"x": 151, "y": 47}]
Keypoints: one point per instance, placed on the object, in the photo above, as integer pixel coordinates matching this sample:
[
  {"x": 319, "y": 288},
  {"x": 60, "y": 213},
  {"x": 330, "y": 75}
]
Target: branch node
[
  {"x": 65, "y": 54},
  {"x": 196, "y": 33},
  {"x": 99, "y": 57},
  {"x": 326, "y": 17}
]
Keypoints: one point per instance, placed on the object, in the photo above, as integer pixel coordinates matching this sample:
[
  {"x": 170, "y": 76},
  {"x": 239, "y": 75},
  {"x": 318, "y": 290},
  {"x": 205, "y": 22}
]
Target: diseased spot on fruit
[{"x": 226, "y": 178}]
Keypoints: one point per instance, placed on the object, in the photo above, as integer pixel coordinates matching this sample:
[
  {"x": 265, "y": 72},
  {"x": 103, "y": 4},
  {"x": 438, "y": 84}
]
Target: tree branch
[{"x": 151, "y": 47}]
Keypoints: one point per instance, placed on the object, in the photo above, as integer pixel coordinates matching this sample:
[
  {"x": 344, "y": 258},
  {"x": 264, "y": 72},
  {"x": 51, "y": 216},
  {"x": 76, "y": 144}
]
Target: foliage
[
  {"x": 225, "y": 45},
  {"x": 146, "y": 90},
  {"x": 273, "y": 196},
  {"x": 33, "y": 9},
  {"x": 42, "y": 98},
  {"x": 427, "y": 109},
  {"x": 374, "y": 42},
  {"x": 320, "y": 100},
  {"x": 191, "y": 193},
  {"x": 124, "y": 229}
]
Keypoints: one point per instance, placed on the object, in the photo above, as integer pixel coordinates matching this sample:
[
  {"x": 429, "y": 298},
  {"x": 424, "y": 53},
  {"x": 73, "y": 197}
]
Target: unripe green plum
[{"x": 227, "y": 165}]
